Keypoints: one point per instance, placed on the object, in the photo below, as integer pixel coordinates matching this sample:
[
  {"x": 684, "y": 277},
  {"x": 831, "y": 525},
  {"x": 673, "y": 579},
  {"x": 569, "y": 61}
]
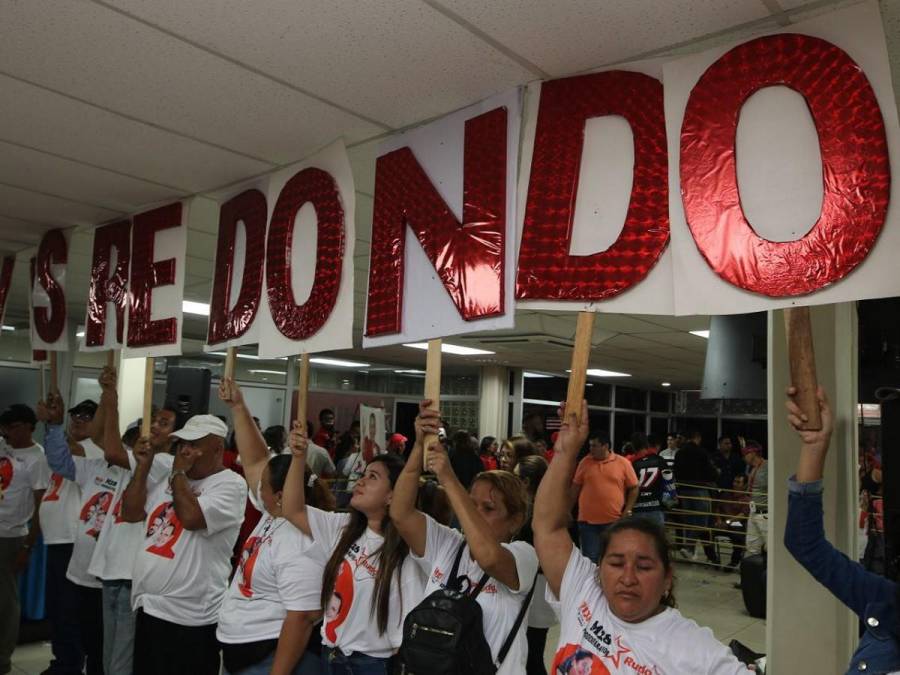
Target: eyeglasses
[{"x": 81, "y": 417}]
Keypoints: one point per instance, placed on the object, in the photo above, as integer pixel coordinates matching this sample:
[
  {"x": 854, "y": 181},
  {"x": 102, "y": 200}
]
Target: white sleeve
[
  {"x": 720, "y": 659},
  {"x": 298, "y": 574},
  {"x": 39, "y": 472},
  {"x": 526, "y": 564},
  {"x": 580, "y": 574},
  {"x": 441, "y": 544},
  {"x": 223, "y": 505},
  {"x": 326, "y": 527},
  {"x": 160, "y": 467}
]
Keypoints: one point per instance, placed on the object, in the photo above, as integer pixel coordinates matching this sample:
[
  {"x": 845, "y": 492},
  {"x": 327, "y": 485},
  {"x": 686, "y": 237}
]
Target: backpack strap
[
  {"x": 453, "y": 581},
  {"x": 504, "y": 650}
]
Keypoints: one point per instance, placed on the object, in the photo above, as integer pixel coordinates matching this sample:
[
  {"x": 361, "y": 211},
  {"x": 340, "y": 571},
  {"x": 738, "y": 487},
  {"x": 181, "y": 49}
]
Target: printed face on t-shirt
[
  {"x": 93, "y": 513},
  {"x": 163, "y": 530},
  {"x": 340, "y": 601},
  {"x": 6, "y": 474},
  {"x": 632, "y": 576}
]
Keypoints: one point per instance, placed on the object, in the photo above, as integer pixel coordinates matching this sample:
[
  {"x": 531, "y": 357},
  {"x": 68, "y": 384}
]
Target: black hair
[
  {"x": 325, "y": 411},
  {"x": 660, "y": 543},
  {"x": 653, "y": 441},
  {"x": 723, "y": 438},
  {"x": 601, "y": 437},
  {"x": 639, "y": 441},
  {"x": 486, "y": 444},
  {"x": 278, "y": 469},
  {"x": 276, "y": 438}
]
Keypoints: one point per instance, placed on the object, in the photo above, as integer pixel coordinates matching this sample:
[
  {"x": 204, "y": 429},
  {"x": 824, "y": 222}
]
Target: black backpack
[{"x": 444, "y": 634}]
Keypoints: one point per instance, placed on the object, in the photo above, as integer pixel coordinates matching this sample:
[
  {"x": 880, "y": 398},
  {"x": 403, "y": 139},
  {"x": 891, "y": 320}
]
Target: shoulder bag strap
[{"x": 526, "y": 603}]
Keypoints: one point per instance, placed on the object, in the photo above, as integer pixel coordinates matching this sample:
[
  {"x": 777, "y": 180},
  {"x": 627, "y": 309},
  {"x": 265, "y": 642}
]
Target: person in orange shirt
[{"x": 606, "y": 489}]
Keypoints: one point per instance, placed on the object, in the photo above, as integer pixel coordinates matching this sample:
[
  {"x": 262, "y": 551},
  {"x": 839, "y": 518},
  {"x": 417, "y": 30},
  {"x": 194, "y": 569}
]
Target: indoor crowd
[{"x": 196, "y": 549}]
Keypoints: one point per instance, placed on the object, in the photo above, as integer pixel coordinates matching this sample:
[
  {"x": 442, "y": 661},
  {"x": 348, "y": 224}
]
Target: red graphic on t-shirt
[
  {"x": 6, "y": 474},
  {"x": 94, "y": 511},
  {"x": 164, "y": 530},
  {"x": 52, "y": 493},
  {"x": 575, "y": 660},
  {"x": 249, "y": 554},
  {"x": 340, "y": 602},
  {"x": 117, "y": 513}
]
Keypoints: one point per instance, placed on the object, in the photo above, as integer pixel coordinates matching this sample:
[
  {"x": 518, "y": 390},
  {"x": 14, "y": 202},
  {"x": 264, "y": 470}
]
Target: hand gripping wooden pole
[
  {"x": 581, "y": 354},
  {"x": 802, "y": 358},
  {"x": 147, "y": 417},
  {"x": 53, "y": 387},
  {"x": 432, "y": 387},
  {"x": 230, "y": 358},
  {"x": 303, "y": 392}
]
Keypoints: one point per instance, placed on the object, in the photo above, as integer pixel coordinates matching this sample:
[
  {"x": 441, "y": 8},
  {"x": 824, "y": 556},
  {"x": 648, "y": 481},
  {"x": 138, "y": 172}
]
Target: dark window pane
[
  {"x": 597, "y": 393},
  {"x": 659, "y": 401},
  {"x": 659, "y": 426},
  {"x": 627, "y": 397},
  {"x": 546, "y": 388},
  {"x": 627, "y": 424}
]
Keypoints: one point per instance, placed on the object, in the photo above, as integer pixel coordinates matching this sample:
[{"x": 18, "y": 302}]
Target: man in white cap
[{"x": 181, "y": 571}]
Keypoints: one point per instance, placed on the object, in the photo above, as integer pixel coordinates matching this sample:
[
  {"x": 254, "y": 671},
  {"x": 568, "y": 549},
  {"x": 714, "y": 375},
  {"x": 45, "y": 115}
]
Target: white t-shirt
[
  {"x": 62, "y": 503},
  {"x": 20, "y": 475},
  {"x": 181, "y": 575},
  {"x": 318, "y": 460},
  {"x": 280, "y": 569},
  {"x": 99, "y": 482},
  {"x": 119, "y": 541},
  {"x": 592, "y": 640},
  {"x": 542, "y": 614},
  {"x": 351, "y": 618},
  {"x": 499, "y": 605}
]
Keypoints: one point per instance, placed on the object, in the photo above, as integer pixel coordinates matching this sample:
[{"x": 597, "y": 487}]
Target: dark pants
[
  {"x": 336, "y": 663},
  {"x": 165, "y": 648},
  {"x": 696, "y": 501},
  {"x": 537, "y": 640},
  {"x": 737, "y": 536},
  {"x": 62, "y": 613},
  {"x": 589, "y": 539},
  {"x": 90, "y": 616}
]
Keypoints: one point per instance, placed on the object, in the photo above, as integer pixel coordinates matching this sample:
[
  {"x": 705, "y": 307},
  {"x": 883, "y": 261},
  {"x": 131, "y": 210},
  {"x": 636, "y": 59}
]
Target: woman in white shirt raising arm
[
  {"x": 618, "y": 616},
  {"x": 369, "y": 581},
  {"x": 490, "y": 513},
  {"x": 269, "y": 614}
]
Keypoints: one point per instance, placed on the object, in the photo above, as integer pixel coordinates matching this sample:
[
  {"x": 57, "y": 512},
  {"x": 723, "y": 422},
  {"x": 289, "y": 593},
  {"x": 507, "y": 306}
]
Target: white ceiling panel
[
  {"x": 54, "y": 211},
  {"x": 398, "y": 62},
  {"x": 47, "y": 173},
  {"x": 53, "y": 123},
  {"x": 564, "y": 38},
  {"x": 92, "y": 53}
]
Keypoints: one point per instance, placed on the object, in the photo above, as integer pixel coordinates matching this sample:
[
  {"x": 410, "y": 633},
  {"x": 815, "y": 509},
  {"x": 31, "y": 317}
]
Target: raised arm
[
  {"x": 406, "y": 518},
  {"x": 134, "y": 498},
  {"x": 187, "y": 506},
  {"x": 249, "y": 439},
  {"x": 56, "y": 447},
  {"x": 552, "y": 503},
  {"x": 293, "y": 497},
  {"x": 111, "y": 442},
  {"x": 483, "y": 546}
]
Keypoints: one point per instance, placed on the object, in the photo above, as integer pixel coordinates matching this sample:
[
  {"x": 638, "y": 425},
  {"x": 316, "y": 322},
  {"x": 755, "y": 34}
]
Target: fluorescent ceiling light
[
  {"x": 322, "y": 361},
  {"x": 666, "y": 384},
  {"x": 452, "y": 349},
  {"x": 79, "y": 333},
  {"x": 410, "y": 372},
  {"x": 701, "y": 333},
  {"x": 252, "y": 357},
  {"x": 5, "y": 327},
  {"x": 268, "y": 372},
  {"x": 529, "y": 374},
  {"x": 191, "y": 307},
  {"x": 599, "y": 372}
]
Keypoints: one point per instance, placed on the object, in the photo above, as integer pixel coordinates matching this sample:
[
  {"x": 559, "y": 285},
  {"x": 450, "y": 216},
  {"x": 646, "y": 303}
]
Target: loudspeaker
[
  {"x": 736, "y": 357},
  {"x": 753, "y": 584},
  {"x": 187, "y": 391}
]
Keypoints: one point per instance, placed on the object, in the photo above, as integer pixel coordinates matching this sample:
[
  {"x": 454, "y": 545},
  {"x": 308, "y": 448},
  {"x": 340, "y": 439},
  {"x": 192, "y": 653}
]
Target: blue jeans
[
  {"x": 589, "y": 538},
  {"x": 309, "y": 664},
  {"x": 118, "y": 628},
  {"x": 337, "y": 663},
  {"x": 62, "y": 613}
]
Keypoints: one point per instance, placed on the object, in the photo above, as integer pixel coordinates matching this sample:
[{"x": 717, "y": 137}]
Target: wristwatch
[{"x": 176, "y": 472}]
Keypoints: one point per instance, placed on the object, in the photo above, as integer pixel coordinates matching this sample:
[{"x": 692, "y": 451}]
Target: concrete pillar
[
  {"x": 808, "y": 630},
  {"x": 494, "y": 403},
  {"x": 131, "y": 390},
  {"x": 518, "y": 393}
]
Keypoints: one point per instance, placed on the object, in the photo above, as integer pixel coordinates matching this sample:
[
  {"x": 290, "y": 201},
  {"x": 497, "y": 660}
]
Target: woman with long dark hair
[
  {"x": 369, "y": 582},
  {"x": 624, "y": 604},
  {"x": 269, "y": 617}
]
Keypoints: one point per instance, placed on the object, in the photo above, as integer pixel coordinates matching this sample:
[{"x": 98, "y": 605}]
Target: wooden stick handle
[
  {"x": 432, "y": 386},
  {"x": 42, "y": 390},
  {"x": 111, "y": 358},
  {"x": 581, "y": 354},
  {"x": 803, "y": 364},
  {"x": 303, "y": 392},
  {"x": 54, "y": 381},
  {"x": 230, "y": 358},
  {"x": 146, "y": 419}
]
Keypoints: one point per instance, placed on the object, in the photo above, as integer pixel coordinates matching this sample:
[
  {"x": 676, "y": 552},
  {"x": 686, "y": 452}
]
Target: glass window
[
  {"x": 659, "y": 401},
  {"x": 628, "y": 397},
  {"x": 546, "y": 388},
  {"x": 659, "y": 426},
  {"x": 627, "y": 424},
  {"x": 598, "y": 393}
]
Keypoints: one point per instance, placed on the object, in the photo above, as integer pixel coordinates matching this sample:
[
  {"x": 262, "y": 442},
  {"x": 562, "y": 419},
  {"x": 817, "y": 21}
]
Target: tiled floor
[{"x": 707, "y": 596}]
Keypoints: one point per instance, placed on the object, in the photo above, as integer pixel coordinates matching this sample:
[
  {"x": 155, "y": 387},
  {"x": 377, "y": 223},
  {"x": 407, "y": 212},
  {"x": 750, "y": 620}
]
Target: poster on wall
[
  {"x": 782, "y": 148},
  {"x": 308, "y": 295},
  {"x": 49, "y": 322},
  {"x": 372, "y": 428},
  {"x": 443, "y": 235},
  {"x": 593, "y": 194}
]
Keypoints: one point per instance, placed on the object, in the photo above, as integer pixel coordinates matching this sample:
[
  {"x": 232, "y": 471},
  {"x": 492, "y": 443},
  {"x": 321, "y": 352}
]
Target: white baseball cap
[{"x": 200, "y": 426}]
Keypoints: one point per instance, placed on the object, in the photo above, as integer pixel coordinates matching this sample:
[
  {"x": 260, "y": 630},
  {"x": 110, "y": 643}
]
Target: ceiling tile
[
  {"x": 564, "y": 38},
  {"x": 396, "y": 62},
  {"x": 54, "y": 211},
  {"x": 98, "y": 55}
]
